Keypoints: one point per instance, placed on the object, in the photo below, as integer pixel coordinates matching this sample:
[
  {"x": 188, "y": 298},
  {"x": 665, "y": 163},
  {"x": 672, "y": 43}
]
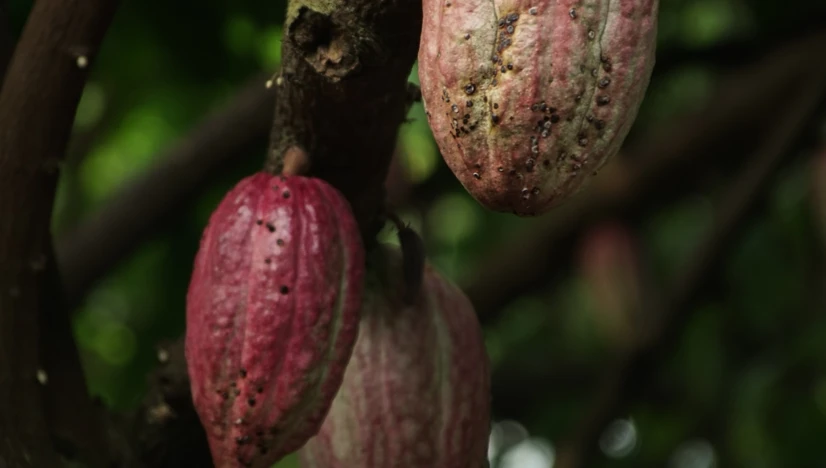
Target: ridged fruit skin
[
  {"x": 528, "y": 98},
  {"x": 417, "y": 390},
  {"x": 272, "y": 315}
]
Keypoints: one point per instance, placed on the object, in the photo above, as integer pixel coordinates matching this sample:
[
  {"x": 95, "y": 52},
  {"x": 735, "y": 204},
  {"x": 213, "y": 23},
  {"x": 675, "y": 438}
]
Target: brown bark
[
  {"x": 342, "y": 93},
  {"x": 37, "y": 106}
]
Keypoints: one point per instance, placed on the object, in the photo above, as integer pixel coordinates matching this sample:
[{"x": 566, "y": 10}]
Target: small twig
[
  {"x": 38, "y": 102},
  {"x": 635, "y": 370},
  {"x": 148, "y": 200}
]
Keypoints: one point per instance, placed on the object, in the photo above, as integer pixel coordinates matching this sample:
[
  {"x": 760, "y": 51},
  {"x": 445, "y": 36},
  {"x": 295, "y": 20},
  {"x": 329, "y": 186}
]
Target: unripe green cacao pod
[
  {"x": 416, "y": 392},
  {"x": 272, "y": 315},
  {"x": 528, "y": 99}
]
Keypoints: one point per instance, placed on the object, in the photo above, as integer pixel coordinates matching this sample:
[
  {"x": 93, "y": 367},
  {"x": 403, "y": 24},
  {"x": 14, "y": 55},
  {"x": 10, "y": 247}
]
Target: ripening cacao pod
[
  {"x": 272, "y": 315},
  {"x": 526, "y": 99},
  {"x": 416, "y": 392}
]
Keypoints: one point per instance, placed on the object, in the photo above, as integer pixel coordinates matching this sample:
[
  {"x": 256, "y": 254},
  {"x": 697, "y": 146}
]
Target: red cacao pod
[
  {"x": 416, "y": 392},
  {"x": 526, "y": 99},
  {"x": 272, "y": 315}
]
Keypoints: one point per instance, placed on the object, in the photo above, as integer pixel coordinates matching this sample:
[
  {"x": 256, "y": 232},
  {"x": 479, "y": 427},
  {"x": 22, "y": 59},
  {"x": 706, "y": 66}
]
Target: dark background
[{"x": 739, "y": 379}]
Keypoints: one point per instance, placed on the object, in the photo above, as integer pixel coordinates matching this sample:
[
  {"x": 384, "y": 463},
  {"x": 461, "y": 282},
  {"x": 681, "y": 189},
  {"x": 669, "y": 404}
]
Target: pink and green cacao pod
[
  {"x": 417, "y": 390},
  {"x": 272, "y": 315},
  {"x": 527, "y": 99}
]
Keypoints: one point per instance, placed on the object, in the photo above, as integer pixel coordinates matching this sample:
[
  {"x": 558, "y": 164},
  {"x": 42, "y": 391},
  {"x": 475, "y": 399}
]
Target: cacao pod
[
  {"x": 272, "y": 315},
  {"x": 416, "y": 392},
  {"x": 528, "y": 99}
]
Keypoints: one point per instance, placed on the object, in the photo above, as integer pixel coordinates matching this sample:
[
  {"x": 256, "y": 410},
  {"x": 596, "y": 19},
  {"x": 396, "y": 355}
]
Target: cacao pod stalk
[
  {"x": 416, "y": 392},
  {"x": 527, "y": 99},
  {"x": 272, "y": 315}
]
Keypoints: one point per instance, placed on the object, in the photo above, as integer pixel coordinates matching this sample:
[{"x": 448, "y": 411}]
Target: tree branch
[
  {"x": 635, "y": 370},
  {"x": 343, "y": 95},
  {"x": 147, "y": 201},
  {"x": 142, "y": 205},
  {"x": 663, "y": 163},
  {"x": 37, "y": 107}
]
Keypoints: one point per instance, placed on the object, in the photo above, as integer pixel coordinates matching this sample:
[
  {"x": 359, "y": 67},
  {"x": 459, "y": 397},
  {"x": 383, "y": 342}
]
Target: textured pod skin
[
  {"x": 417, "y": 391},
  {"x": 528, "y": 98},
  {"x": 272, "y": 315}
]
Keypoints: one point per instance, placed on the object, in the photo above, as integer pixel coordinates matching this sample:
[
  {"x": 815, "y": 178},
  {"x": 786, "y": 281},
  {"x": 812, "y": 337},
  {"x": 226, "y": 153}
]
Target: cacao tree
[{"x": 404, "y": 233}]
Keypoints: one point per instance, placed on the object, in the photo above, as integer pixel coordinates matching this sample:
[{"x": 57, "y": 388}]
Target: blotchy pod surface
[
  {"x": 528, "y": 98},
  {"x": 272, "y": 315},
  {"x": 417, "y": 391}
]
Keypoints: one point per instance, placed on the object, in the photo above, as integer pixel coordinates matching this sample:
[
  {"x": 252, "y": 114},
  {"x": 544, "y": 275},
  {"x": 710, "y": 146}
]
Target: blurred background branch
[{"x": 631, "y": 374}]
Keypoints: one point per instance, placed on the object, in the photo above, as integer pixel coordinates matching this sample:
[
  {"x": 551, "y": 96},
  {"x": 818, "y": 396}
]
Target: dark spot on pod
[
  {"x": 591, "y": 34},
  {"x": 267, "y": 260},
  {"x": 467, "y": 36},
  {"x": 241, "y": 440},
  {"x": 554, "y": 118},
  {"x": 454, "y": 108},
  {"x": 503, "y": 69},
  {"x": 285, "y": 290},
  {"x": 448, "y": 4},
  {"x": 546, "y": 162},
  {"x": 510, "y": 66},
  {"x": 542, "y": 106},
  {"x": 512, "y": 172},
  {"x": 530, "y": 163},
  {"x": 470, "y": 88},
  {"x": 599, "y": 124},
  {"x": 603, "y": 83},
  {"x": 496, "y": 105},
  {"x": 513, "y": 17},
  {"x": 494, "y": 118},
  {"x": 501, "y": 169},
  {"x": 259, "y": 222},
  {"x": 494, "y": 83},
  {"x": 576, "y": 166},
  {"x": 251, "y": 401},
  {"x": 286, "y": 194},
  {"x": 236, "y": 392},
  {"x": 260, "y": 390},
  {"x": 583, "y": 141},
  {"x": 476, "y": 176},
  {"x": 561, "y": 156},
  {"x": 532, "y": 11},
  {"x": 547, "y": 125},
  {"x": 603, "y": 100},
  {"x": 535, "y": 191},
  {"x": 469, "y": 104},
  {"x": 494, "y": 58},
  {"x": 501, "y": 22},
  {"x": 578, "y": 97},
  {"x": 243, "y": 373},
  {"x": 526, "y": 193},
  {"x": 545, "y": 133},
  {"x": 509, "y": 29},
  {"x": 572, "y": 13},
  {"x": 594, "y": 72},
  {"x": 280, "y": 242},
  {"x": 271, "y": 226}
]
